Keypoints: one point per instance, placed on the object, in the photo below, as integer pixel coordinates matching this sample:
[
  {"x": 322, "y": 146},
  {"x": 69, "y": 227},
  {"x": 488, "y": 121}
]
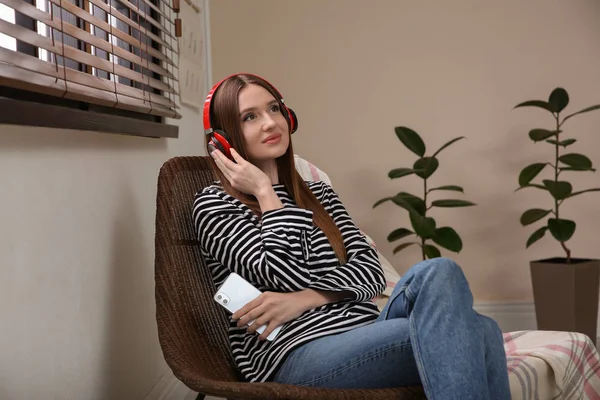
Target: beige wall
[
  {"x": 77, "y": 211},
  {"x": 77, "y": 310},
  {"x": 354, "y": 69}
]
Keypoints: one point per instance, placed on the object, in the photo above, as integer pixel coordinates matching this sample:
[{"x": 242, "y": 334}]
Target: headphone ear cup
[
  {"x": 221, "y": 141},
  {"x": 293, "y": 120}
]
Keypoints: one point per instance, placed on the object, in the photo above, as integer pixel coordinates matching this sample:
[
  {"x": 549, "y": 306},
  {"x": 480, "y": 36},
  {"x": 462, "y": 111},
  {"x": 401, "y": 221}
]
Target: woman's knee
[{"x": 441, "y": 267}]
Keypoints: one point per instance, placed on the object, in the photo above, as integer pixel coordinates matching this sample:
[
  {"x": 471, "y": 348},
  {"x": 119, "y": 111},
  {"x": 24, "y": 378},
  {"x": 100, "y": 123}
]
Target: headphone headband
[{"x": 208, "y": 102}]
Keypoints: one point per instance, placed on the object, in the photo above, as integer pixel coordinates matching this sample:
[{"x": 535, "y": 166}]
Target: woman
[{"x": 295, "y": 241}]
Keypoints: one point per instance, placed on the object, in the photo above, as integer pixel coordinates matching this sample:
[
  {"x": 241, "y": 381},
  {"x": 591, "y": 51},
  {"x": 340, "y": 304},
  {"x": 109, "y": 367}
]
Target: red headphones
[{"x": 218, "y": 139}]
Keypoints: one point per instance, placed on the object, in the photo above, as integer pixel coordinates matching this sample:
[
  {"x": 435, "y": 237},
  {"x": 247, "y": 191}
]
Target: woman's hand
[
  {"x": 243, "y": 176},
  {"x": 274, "y": 309}
]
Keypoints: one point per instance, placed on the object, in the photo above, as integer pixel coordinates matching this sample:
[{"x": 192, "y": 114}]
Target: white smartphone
[{"x": 235, "y": 293}]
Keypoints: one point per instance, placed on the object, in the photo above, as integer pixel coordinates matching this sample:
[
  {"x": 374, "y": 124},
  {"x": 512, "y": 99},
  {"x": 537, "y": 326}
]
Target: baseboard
[
  {"x": 510, "y": 316},
  {"x": 514, "y": 316}
]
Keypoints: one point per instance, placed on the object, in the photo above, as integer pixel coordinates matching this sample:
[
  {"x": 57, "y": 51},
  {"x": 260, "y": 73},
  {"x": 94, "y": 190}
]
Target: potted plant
[
  {"x": 424, "y": 226},
  {"x": 565, "y": 289}
]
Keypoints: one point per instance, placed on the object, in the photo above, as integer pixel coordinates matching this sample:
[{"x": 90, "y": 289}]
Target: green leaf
[
  {"x": 532, "y": 185},
  {"x": 530, "y": 172},
  {"x": 563, "y": 143},
  {"x": 400, "y": 172},
  {"x": 561, "y": 229},
  {"x": 583, "y": 191},
  {"x": 423, "y": 226},
  {"x": 411, "y": 140},
  {"x": 431, "y": 251},
  {"x": 447, "y": 187},
  {"x": 533, "y": 215},
  {"x": 426, "y": 166},
  {"x": 559, "y": 190},
  {"x": 447, "y": 144},
  {"x": 410, "y": 202},
  {"x": 537, "y": 135},
  {"x": 403, "y": 246},
  {"x": 559, "y": 99},
  {"x": 588, "y": 109},
  {"x": 575, "y": 160},
  {"x": 536, "y": 103},
  {"x": 399, "y": 234},
  {"x": 451, "y": 203},
  {"x": 447, "y": 238},
  {"x": 537, "y": 235},
  {"x": 381, "y": 201}
]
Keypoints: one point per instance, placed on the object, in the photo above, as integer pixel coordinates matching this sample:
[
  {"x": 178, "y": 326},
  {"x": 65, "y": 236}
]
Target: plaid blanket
[{"x": 552, "y": 365}]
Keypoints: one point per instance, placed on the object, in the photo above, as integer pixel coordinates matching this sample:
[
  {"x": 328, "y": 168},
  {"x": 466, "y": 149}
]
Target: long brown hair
[{"x": 225, "y": 116}]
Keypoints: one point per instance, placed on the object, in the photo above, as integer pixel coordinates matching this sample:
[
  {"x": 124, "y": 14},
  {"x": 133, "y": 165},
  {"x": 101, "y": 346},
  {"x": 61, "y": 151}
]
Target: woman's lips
[{"x": 273, "y": 139}]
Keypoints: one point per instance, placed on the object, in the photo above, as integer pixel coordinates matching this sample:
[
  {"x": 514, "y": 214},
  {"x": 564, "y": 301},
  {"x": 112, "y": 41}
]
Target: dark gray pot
[{"x": 566, "y": 295}]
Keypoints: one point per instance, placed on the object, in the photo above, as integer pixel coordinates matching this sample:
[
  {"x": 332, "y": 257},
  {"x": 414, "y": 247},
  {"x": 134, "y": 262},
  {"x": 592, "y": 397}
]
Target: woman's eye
[
  {"x": 275, "y": 108},
  {"x": 249, "y": 117}
]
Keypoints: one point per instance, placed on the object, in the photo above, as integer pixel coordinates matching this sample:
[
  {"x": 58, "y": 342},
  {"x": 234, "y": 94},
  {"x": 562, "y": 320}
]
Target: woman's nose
[{"x": 268, "y": 122}]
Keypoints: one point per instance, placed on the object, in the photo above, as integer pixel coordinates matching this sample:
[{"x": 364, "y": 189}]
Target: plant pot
[{"x": 566, "y": 295}]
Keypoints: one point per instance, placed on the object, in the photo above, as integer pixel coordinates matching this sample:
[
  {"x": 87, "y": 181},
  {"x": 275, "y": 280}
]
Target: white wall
[
  {"x": 77, "y": 311},
  {"x": 354, "y": 69}
]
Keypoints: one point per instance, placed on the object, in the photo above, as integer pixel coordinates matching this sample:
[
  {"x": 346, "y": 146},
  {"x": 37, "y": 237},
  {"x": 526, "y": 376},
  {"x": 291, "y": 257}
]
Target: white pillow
[{"x": 310, "y": 172}]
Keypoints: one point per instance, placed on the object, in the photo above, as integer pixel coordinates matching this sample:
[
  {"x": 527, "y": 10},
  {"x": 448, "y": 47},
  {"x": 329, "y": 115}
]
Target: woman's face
[{"x": 265, "y": 129}]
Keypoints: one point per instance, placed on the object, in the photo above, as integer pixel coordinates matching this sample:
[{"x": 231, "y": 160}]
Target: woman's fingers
[
  {"x": 226, "y": 161},
  {"x": 241, "y": 174},
  {"x": 243, "y": 315},
  {"x": 259, "y": 321},
  {"x": 236, "y": 156},
  {"x": 221, "y": 162},
  {"x": 218, "y": 157},
  {"x": 270, "y": 328}
]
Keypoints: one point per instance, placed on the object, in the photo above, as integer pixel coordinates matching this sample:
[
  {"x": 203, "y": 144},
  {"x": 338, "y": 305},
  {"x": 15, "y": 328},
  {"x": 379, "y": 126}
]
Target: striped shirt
[{"x": 285, "y": 252}]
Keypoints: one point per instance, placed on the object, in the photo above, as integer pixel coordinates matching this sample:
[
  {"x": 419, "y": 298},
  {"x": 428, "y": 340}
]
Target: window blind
[{"x": 114, "y": 53}]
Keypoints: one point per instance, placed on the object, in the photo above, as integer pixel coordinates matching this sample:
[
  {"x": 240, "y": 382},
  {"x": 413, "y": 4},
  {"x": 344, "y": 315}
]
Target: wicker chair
[{"x": 192, "y": 329}]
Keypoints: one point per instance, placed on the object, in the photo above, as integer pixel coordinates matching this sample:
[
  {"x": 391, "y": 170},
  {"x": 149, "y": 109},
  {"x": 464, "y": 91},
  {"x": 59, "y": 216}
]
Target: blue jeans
[{"x": 428, "y": 334}]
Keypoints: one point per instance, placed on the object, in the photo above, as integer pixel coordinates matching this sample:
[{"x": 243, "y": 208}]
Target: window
[
  {"x": 90, "y": 62},
  {"x": 7, "y": 14}
]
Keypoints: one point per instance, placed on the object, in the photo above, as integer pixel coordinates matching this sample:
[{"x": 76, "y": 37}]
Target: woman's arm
[
  {"x": 362, "y": 275},
  {"x": 272, "y": 254}
]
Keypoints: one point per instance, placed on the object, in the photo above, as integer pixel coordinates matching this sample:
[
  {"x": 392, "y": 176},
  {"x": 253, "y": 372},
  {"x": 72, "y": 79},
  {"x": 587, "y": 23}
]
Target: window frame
[{"x": 17, "y": 106}]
